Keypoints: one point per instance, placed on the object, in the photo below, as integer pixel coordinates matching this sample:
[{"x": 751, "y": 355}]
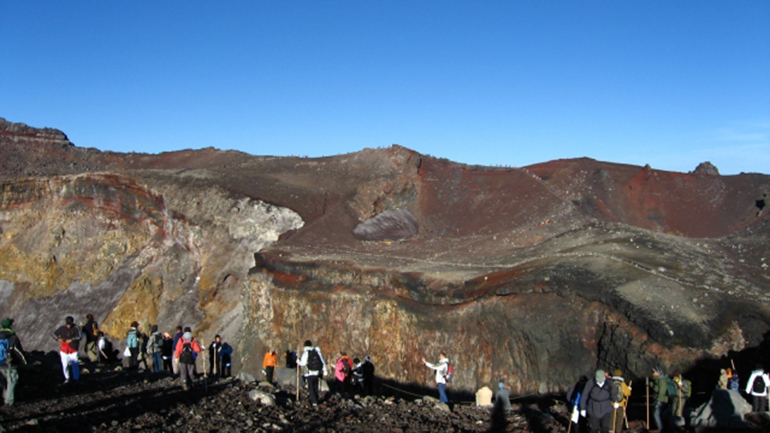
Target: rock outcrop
[{"x": 532, "y": 275}]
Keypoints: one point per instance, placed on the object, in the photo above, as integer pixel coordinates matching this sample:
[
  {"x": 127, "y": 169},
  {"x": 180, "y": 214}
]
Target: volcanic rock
[
  {"x": 531, "y": 275},
  {"x": 706, "y": 168}
]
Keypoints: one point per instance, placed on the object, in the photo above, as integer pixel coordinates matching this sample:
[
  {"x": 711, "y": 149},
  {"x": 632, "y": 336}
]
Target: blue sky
[{"x": 669, "y": 83}]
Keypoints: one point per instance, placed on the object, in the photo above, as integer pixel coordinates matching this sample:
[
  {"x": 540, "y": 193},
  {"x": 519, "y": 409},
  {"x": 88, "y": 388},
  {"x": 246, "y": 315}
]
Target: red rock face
[{"x": 534, "y": 275}]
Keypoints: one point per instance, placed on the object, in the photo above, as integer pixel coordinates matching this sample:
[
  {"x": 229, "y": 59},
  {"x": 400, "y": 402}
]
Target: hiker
[
  {"x": 723, "y": 378},
  {"x": 442, "y": 369},
  {"x": 184, "y": 353},
  {"x": 502, "y": 398},
  {"x": 215, "y": 364},
  {"x": 314, "y": 361},
  {"x": 167, "y": 352},
  {"x": 619, "y": 406},
  {"x": 91, "y": 331},
  {"x": 155, "y": 347},
  {"x": 659, "y": 394},
  {"x": 342, "y": 369},
  {"x": 227, "y": 360},
  {"x": 268, "y": 364},
  {"x": 733, "y": 381},
  {"x": 681, "y": 392},
  {"x": 596, "y": 402},
  {"x": 291, "y": 359},
  {"x": 174, "y": 342},
  {"x": 68, "y": 336},
  {"x": 132, "y": 344},
  {"x": 11, "y": 356},
  {"x": 757, "y": 388},
  {"x": 104, "y": 347},
  {"x": 367, "y": 370}
]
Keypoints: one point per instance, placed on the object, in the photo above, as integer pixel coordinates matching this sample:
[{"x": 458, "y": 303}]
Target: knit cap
[
  {"x": 187, "y": 336},
  {"x": 7, "y": 322}
]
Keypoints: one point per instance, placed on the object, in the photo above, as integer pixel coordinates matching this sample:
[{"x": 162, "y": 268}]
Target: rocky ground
[{"x": 113, "y": 400}]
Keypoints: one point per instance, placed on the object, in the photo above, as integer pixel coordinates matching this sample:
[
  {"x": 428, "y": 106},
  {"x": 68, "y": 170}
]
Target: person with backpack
[
  {"x": 174, "y": 360},
  {"x": 442, "y": 373},
  {"x": 314, "y": 362},
  {"x": 342, "y": 374},
  {"x": 757, "y": 388},
  {"x": 68, "y": 336},
  {"x": 11, "y": 356},
  {"x": 91, "y": 332},
  {"x": 167, "y": 352},
  {"x": 678, "y": 393},
  {"x": 133, "y": 345},
  {"x": 659, "y": 395},
  {"x": 226, "y": 353},
  {"x": 104, "y": 346},
  {"x": 185, "y": 351},
  {"x": 733, "y": 381},
  {"x": 596, "y": 402},
  {"x": 367, "y": 371},
  {"x": 268, "y": 364},
  {"x": 619, "y": 406},
  {"x": 215, "y": 359},
  {"x": 155, "y": 347}
]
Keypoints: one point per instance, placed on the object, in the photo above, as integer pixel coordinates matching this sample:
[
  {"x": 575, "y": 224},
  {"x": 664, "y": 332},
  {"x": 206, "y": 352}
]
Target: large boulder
[{"x": 724, "y": 409}]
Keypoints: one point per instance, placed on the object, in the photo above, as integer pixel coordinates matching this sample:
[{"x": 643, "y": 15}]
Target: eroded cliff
[{"x": 533, "y": 275}]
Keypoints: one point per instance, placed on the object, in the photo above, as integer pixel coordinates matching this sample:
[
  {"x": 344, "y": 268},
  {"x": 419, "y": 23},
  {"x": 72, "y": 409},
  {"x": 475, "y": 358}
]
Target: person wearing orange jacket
[
  {"x": 184, "y": 352},
  {"x": 268, "y": 365}
]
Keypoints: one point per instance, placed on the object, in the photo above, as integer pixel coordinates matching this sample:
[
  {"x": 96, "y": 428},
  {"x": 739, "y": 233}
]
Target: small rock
[{"x": 265, "y": 398}]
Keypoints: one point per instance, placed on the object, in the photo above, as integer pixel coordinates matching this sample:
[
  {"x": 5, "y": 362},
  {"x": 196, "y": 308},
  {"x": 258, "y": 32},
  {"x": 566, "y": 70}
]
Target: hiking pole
[
  {"x": 296, "y": 368},
  {"x": 625, "y": 404},
  {"x": 205, "y": 369},
  {"x": 647, "y": 383},
  {"x": 614, "y": 419}
]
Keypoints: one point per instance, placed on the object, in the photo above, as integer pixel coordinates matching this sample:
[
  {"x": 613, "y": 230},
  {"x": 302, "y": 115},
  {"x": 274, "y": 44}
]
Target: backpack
[
  {"x": 4, "y": 351},
  {"x": 157, "y": 341},
  {"x": 132, "y": 339},
  {"x": 670, "y": 386},
  {"x": 314, "y": 362},
  {"x": 686, "y": 388},
  {"x": 187, "y": 353},
  {"x": 450, "y": 373},
  {"x": 759, "y": 384}
]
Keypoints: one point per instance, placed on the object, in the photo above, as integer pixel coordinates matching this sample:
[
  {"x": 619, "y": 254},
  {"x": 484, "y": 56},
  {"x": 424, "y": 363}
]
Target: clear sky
[{"x": 515, "y": 82}]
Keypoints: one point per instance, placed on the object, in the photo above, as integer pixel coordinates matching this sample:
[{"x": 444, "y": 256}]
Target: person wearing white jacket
[
  {"x": 441, "y": 368},
  {"x": 757, "y": 387}
]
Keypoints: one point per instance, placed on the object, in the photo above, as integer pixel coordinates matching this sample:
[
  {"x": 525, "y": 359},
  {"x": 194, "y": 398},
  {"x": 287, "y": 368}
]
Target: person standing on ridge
[
  {"x": 314, "y": 361},
  {"x": 11, "y": 356},
  {"x": 175, "y": 360},
  {"x": 757, "y": 388},
  {"x": 215, "y": 359},
  {"x": 133, "y": 344},
  {"x": 619, "y": 405},
  {"x": 268, "y": 364},
  {"x": 659, "y": 394},
  {"x": 68, "y": 336},
  {"x": 596, "y": 402},
  {"x": 185, "y": 350},
  {"x": 155, "y": 346},
  {"x": 367, "y": 369},
  {"x": 442, "y": 368},
  {"x": 91, "y": 331}
]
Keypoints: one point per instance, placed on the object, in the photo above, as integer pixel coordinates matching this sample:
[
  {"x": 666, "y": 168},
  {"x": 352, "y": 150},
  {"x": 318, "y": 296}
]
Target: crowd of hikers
[{"x": 601, "y": 400}]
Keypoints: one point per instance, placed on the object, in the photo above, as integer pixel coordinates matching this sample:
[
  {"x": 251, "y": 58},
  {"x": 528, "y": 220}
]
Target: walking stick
[
  {"x": 647, "y": 383},
  {"x": 297, "y": 396},
  {"x": 625, "y": 405},
  {"x": 205, "y": 369},
  {"x": 614, "y": 419}
]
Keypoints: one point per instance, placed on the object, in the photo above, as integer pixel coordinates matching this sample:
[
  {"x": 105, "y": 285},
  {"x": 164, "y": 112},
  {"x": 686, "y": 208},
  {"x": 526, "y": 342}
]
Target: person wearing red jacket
[{"x": 184, "y": 353}]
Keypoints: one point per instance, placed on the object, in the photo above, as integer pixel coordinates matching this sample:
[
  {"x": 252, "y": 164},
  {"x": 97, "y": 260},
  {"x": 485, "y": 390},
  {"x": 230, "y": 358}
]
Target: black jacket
[{"x": 66, "y": 333}]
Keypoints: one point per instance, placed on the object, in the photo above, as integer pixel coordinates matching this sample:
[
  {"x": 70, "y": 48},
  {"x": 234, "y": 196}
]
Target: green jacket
[{"x": 659, "y": 389}]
